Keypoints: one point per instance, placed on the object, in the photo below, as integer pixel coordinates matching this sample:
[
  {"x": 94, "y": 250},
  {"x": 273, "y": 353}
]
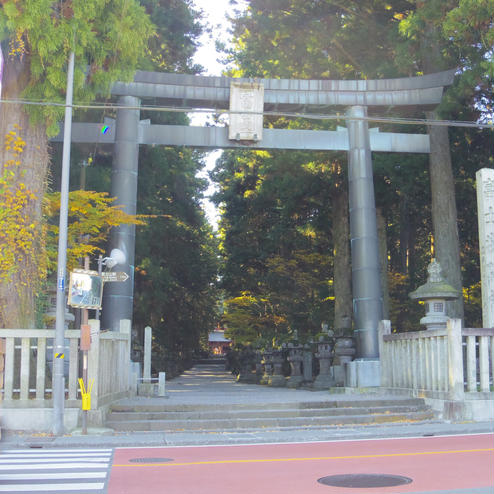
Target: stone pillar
[
  {"x": 118, "y": 298},
  {"x": 246, "y": 362},
  {"x": 344, "y": 351},
  {"x": 324, "y": 380},
  {"x": 307, "y": 363},
  {"x": 277, "y": 379},
  {"x": 367, "y": 295},
  {"x": 268, "y": 367},
  {"x": 485, "y": 205},
  {"x": 148, "y": 339},
  {"x": 259, "y": 366},
  {"x": 295, "y": 358}
]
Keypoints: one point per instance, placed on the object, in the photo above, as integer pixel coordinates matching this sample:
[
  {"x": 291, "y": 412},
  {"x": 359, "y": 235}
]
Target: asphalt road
[{"x": 461, "y": 464}]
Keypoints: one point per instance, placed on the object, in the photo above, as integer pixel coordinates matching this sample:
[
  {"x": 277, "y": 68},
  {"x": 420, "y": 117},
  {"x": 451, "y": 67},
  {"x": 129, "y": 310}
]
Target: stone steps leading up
[{"x": 243, "y": 416}]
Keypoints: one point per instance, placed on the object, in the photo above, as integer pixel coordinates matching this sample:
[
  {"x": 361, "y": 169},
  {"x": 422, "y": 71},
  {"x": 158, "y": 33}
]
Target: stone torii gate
[{"x": 254, "y": 97}]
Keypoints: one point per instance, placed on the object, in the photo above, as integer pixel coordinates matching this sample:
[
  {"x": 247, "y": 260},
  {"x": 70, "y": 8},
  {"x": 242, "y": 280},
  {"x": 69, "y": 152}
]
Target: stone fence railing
[
  {"x": 453, "y": 363},
  {"x": 29, "y": 358}
]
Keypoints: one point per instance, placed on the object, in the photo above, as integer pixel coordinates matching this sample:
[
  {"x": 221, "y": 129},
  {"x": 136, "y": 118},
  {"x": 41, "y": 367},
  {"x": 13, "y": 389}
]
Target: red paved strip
[{"x": 434, "y": 463}]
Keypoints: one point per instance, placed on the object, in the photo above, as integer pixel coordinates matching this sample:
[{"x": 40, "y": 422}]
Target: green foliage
[
  {"x": 176, "y": 264},
  {"x": 109, "y": 37},
  {"x": 267, "y": 207},
  {"x": 90, "y": 218}
]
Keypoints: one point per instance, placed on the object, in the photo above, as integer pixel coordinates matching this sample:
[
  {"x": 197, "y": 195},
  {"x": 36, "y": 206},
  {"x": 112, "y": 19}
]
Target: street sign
[{"x": 114, "y": 276}]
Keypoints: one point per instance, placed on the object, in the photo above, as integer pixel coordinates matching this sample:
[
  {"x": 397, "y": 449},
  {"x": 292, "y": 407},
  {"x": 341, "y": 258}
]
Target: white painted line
[
  {"x": 52, "y": 487},
  {"x": 53, "y": 466},
  {"x": 357, "y": 440},
  {"x": 50, "y": 450},
  {"x": 52, "y": 476},
  {"x": 49, "y": 460},
  {"x": 54, "y": 455}
]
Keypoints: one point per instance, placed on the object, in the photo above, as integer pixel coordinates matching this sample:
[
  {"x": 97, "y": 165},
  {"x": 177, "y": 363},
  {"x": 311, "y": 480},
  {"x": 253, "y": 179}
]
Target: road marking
[
  {"x": 25, "y": 461},
  {"x": 51, "y": 466},
  {"x": 93, "y": 486},
  {"x": 53, "y": 471},
  {"x": 65, "y": 451},
  {"x": 317, "y": 458},
  {"x": 323, "y": 441},
  {"x": 55, "y": 475},
  {"x": 49, "y": 454}
]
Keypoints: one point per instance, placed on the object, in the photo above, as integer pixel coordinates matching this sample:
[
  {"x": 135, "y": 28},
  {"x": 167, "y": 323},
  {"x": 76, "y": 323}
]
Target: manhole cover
[
  {"x": 362, "y": 480},
  {"x": 150, "y": 460}
]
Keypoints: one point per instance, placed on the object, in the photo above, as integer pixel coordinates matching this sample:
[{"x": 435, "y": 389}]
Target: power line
[{"x": 310, "y": 116}]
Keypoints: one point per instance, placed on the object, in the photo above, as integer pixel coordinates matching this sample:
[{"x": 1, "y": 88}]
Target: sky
[{"x": 214, "y": 13}]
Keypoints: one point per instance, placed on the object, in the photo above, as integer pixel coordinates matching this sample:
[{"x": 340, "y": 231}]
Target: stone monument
[{"x": 485, "y": 205}]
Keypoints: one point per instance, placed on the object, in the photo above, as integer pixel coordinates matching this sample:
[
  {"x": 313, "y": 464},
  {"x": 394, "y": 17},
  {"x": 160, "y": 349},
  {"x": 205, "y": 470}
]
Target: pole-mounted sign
[
  {"x": 109, "y": 276},
  {"x": 85, "y": 289}
]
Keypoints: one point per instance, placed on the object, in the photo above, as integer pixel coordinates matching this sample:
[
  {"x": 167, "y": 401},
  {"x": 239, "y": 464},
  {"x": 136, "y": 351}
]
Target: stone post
[
  {"x": 324, "y": 380},
  {"x": 307, "y": 363},
  {"x": 259, "y": 366},
  {"x": 246, "y": 361},
  {"x": 148, "y": 338},
  {"x": 344, "y": 350},
  {"x": 485, "y": 205},
  {"x": 277, "y": 379},
  {"x": 93, "y": 368},
  {"x": 295, "y": 358},
  {"x": 268, "y": 367},
  {"x": 384, "y": 329},
  {"x": 455, "y": 360}
]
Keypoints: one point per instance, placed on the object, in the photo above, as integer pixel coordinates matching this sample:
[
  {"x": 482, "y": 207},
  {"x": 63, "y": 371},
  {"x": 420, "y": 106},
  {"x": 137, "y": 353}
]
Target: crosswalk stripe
[
  {"x": 50, "y": 471},
  {"x": 52, "y": 466},
  {"x": 53, "y": 476},
  {"x": 54, "y": 455},
  {"x": 26, "y": 461},
  {"x": 51, "y": 487},
  {"x": 53, "y": 450}
]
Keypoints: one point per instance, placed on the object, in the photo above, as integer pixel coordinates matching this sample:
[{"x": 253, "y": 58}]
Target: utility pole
[{"x": 58, "y": 350}]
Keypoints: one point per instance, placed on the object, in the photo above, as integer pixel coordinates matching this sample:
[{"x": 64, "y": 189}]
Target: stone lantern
[{"x": 435, "y": 293}]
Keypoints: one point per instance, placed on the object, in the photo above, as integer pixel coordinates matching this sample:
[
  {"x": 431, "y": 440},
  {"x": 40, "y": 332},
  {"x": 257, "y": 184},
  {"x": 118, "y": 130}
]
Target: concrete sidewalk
[{"x": 210, "y": 384}]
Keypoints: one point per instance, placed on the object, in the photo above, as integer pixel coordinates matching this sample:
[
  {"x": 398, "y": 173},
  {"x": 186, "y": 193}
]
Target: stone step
[
  {"x": 199, "y": 414},
  {"x": 360, "y": 403},
  {"x": 267, "y": 422}
]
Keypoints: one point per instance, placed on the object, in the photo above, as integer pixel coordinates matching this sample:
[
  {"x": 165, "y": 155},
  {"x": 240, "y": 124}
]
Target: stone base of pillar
[
  {"x": 277, "y": 381},
  {"x": 294, "y": 381},
  {"x": 247, "y": 377},
  {"x": 146, "y": 389},
  {"x": 339, "y": 374},
  {"x": 324, "y": 382},
  {"x": 363, "y": 374}
]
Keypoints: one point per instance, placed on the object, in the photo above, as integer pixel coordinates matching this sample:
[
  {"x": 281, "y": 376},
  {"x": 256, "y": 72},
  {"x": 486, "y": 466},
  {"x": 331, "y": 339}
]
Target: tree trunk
[
  {"x": 383, "y": 259},
  {"x": 444, "y": 217},
  {"x": 342, "y": 272},
  {"x": 17, "y": 296}
]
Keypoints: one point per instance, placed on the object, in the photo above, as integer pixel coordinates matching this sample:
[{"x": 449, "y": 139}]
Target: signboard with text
[{"x": 246, "y": 111}]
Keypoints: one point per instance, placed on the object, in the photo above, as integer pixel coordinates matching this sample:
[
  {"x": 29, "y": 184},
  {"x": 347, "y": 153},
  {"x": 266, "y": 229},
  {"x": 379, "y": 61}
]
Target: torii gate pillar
[
  {"x": 118, "y": 297},
  {"x": 366, "y": 283}
]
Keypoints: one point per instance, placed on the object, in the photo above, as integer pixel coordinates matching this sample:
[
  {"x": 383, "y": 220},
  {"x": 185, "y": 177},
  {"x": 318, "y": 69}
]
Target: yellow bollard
[{"x": 86, "y": 395}]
